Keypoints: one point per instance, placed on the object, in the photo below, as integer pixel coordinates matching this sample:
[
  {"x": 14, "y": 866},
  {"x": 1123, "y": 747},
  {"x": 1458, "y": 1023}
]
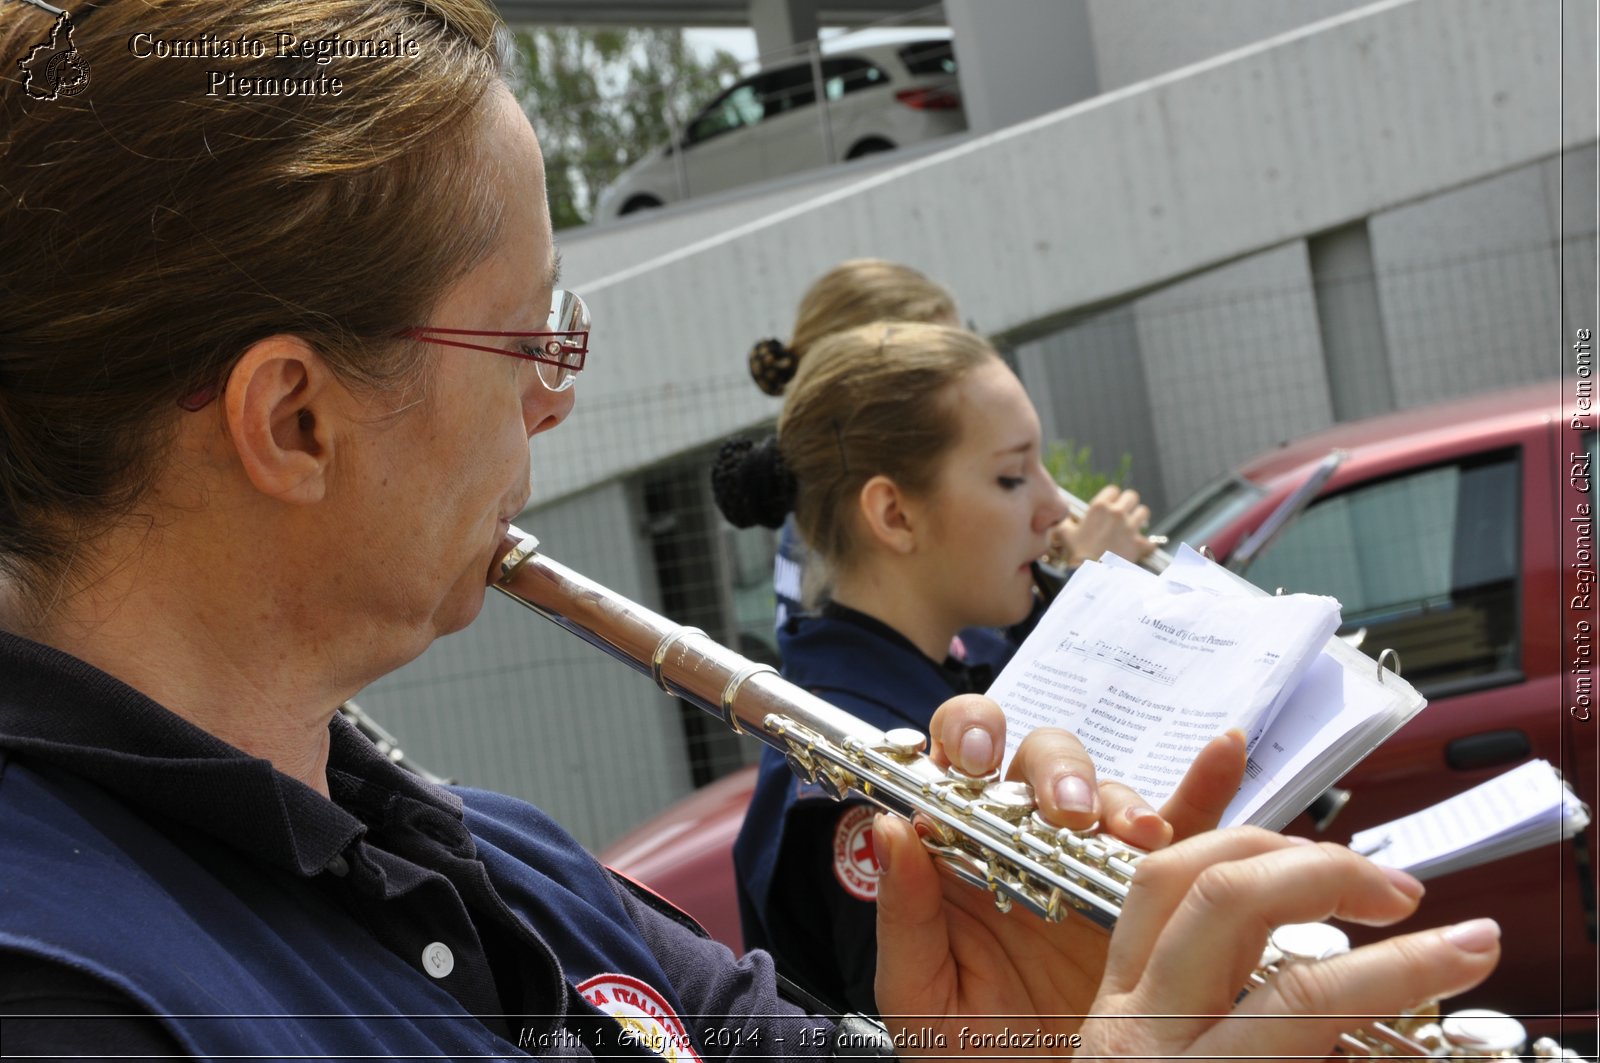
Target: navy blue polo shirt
[{"x": 390, "y": 851}]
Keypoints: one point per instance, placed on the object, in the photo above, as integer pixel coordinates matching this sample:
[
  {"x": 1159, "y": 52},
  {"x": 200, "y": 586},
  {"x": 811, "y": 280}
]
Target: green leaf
[{"x": 1072, "y": 468}]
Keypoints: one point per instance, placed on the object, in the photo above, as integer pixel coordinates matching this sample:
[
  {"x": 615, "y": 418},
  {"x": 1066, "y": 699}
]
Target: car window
[
  {"x": 739, "y": 106},
  {"x": 786, "y": 89},
  {"x": 844, "y": 76},
  {"x": 1426, "y": 563},
  {"x": 929, "y": 57},
  {"x": 1208, "y": 510}
]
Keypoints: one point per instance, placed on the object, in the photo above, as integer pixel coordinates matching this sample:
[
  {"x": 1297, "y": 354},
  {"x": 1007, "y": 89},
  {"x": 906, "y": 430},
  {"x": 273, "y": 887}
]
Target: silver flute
[{"x": 986, "y": 831}]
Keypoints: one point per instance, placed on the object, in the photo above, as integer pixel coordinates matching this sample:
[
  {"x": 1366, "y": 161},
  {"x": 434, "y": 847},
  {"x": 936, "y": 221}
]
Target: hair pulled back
[
  {"x": 856, "y": 292},
  {"x": 869, "y": 401},
  {"x": 751, "y": 484},
  {"x": 150, "y": 231}
]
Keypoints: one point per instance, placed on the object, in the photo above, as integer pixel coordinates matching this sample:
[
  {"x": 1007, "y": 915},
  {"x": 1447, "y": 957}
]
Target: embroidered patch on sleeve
[
  {"x": 647, "y": 1020},
  {"x": 854, "y": 863}
]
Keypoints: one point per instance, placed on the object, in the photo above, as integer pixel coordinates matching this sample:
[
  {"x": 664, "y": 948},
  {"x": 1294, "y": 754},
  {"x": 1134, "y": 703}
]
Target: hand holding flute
[
  {"x": 1191, "y": 931},
  {"x": 1114, "y": 519},
  {"x": 956, "y": 974}
]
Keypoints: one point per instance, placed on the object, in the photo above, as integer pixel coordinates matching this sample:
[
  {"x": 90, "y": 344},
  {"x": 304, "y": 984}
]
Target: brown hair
[
  {"x": 150, "y": 231},
  {"x": 856, "y": 292},
  {"x": 869, "y": 401}
]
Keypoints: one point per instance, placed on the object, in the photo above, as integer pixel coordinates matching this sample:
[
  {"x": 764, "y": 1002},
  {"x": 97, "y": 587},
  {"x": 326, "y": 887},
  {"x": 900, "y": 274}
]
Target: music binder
[{"x": 1332, "y": 707}]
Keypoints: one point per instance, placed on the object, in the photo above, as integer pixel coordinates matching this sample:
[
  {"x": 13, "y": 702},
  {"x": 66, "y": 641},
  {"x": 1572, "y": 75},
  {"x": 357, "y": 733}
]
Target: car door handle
[{"x": 1487, "y": 749}]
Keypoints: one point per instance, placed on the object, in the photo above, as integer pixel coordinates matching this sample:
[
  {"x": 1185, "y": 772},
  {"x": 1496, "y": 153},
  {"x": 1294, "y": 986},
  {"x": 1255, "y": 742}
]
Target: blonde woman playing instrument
[
  {"x": 910, "y": 456},
  {"x": 860, "y": 291}
]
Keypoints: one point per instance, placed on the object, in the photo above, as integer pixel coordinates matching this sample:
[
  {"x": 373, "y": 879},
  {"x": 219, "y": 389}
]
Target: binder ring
[{"x": 1388, "y": 655}]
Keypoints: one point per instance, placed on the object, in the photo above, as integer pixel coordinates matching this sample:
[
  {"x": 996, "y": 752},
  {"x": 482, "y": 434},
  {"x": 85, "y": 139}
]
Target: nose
[
  {"x": 1051, "y": 507},
  {"x": 543, "y": 409}
]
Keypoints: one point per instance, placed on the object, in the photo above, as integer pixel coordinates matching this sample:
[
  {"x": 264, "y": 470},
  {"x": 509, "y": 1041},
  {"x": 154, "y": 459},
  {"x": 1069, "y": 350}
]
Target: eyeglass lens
[{"x": 568, "y": 314}]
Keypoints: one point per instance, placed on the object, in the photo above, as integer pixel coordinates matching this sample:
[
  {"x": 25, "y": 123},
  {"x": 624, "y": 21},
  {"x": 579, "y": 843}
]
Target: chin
[
  {"x": 458, "y": 612},
  {"x": 1024, "y": 600}
]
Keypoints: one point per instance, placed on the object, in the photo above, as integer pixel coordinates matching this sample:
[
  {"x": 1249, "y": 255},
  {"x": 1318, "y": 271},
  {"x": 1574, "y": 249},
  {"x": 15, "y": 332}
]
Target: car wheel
[
  {"x": 639, "y": 203},
  {"x": 870, "y": 146}
]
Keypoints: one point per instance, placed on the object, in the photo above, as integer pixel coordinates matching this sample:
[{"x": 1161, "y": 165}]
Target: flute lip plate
[{"x": 515, "y": 548}]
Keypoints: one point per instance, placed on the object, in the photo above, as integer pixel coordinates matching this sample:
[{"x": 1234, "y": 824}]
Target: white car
[{"x": 878, "y": 98}]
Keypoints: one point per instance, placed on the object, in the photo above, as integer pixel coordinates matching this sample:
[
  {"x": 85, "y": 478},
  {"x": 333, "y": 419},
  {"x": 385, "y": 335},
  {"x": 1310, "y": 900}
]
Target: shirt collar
[
  {"x": 964, "y": 678},
  {"x": 59, "y": 711}
]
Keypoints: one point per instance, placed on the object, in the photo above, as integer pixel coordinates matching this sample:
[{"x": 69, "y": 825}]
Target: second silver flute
[{"x": 986, "y": 831}]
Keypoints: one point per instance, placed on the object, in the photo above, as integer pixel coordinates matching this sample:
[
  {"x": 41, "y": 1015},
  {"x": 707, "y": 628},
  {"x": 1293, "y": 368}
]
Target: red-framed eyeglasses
[{"x": 558, "y": 352}]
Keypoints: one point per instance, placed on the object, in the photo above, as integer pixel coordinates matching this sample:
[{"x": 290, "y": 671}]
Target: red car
[{"x": 1441, "y": 532}]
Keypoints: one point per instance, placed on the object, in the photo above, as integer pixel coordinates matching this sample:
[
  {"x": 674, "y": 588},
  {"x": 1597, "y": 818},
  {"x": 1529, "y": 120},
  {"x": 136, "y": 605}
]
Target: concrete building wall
[
  {"x": 1139, "y": 39},
  {"x": 602, "y": 250},
  {"x": 1089, "y": 384},
  {"x": 1241, "y": 338},
  {"x": 1021, "y": 58},
  {"x": 1477, "y": 286},
  {"x": 1471, "y": 282}
]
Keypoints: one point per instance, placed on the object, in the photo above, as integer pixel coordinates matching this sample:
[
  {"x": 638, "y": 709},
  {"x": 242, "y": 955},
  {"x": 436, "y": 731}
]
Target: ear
[
  {"x": 275, "y": 404},
  {"x": 887, "y": 514}
]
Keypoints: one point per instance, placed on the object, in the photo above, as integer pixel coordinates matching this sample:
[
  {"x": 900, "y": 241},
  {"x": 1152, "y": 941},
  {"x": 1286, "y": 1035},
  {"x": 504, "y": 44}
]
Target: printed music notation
[
  {"x": 1122, "y": 657},
  {"x": 1147, "y": 670}
]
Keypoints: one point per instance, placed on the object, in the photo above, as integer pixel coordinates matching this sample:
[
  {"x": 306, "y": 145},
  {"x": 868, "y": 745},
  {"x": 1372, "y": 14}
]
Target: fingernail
[
  {"x": 1074, "y": 795},
  {"x": 1136, "y": 813},
  {"x": 1403, "y": 882},
  {"x": 880, "y": 853},
  {"x": 1297, "y": 840},
  {"x": 976, "y": 750},
  {"x": 1475, "y": 935}
]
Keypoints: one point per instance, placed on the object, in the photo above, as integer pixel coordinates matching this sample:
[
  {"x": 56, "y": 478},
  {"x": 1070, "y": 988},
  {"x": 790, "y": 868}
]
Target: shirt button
[
  {"x": 438, "y": 960},
  {"x": 338, "y": 867}
]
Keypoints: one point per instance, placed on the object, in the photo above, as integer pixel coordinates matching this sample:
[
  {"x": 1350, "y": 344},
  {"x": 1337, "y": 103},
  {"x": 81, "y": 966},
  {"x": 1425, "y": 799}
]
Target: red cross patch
[
  {"x": 854, "y": 863},
  {"x": 647, "y": 1020}
]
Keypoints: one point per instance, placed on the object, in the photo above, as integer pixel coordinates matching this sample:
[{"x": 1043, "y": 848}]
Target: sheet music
[
  {"x": 1330, "y": 703},
  {"x": 1526, "y": 807},
  {"x": 1146, "y": 671}
]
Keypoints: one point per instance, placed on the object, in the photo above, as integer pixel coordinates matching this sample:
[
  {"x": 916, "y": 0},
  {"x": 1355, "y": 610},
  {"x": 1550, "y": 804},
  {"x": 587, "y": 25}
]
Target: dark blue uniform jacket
[
  {"x": 806, "y": 875},
  {"x": 151, "y": 870}
]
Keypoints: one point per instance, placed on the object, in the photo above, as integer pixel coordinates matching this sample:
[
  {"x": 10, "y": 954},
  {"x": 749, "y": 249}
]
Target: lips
[{"x": 510, "y": 515}]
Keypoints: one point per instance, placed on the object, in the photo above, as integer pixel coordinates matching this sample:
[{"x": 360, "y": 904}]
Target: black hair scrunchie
[
  {"x": 772, "y": 365},
  {"x": 751, "y": 483}
]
